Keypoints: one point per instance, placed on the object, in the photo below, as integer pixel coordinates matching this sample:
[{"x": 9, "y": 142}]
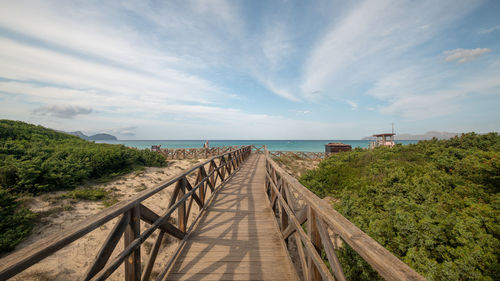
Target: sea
[{"x": 273, "y": 145}]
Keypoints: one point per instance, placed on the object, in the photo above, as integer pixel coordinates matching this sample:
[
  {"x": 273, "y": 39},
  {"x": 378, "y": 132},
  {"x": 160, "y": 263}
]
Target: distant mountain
[
  {"x": 78, "y": 134},
  {"x": 426, "y": 136},
  {"x": 98, "y": 137}
]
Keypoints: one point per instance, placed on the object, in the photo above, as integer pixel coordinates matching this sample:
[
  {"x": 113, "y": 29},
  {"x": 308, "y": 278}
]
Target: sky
[{"x": 219, "y": 69}]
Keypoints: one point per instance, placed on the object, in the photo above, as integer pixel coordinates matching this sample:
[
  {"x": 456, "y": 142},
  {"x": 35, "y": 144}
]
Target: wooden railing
[
  {"x": 293, "y": 154},
  {"x": 194, "y": 153},
  {"x": 298, "y": 154},
  {"x": 128, "y": 225},
  {"x": 294, "y": 206}
]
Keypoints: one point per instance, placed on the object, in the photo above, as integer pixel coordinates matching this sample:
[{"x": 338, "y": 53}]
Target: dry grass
[{"x": 295, "y": 165}]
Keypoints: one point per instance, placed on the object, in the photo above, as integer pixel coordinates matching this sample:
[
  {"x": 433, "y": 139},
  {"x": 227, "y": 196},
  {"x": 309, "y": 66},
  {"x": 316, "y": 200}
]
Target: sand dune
[{"x": 71, "y": 262}]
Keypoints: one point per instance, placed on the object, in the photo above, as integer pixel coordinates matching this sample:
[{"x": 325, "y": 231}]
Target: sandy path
[{"x": 71, "y": 262}]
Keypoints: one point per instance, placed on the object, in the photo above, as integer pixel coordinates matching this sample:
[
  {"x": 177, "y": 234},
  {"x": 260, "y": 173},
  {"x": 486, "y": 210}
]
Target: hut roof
[{"x": 337, "y": 144}]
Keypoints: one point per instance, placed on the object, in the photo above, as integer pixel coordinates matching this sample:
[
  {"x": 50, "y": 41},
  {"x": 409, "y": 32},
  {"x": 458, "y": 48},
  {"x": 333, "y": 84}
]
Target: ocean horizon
[{"x": 273, "y": 145}]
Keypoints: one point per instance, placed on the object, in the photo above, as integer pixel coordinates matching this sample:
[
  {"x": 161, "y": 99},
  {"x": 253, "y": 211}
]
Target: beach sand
[{"x": 71, "y": 262}]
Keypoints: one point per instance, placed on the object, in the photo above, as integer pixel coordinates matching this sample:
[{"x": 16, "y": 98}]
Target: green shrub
[
  {"x": 92, "y": 194},
  {"x": 34, "y": 160},
  {"x": 435, "y": 204},
  {"x": 15, "y": 223}
]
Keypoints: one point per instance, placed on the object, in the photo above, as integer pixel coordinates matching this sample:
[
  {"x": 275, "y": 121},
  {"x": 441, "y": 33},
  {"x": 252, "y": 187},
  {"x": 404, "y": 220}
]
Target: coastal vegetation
[
  {"x": 36, "y": 160},
  {"x": 435, "y": 204}
]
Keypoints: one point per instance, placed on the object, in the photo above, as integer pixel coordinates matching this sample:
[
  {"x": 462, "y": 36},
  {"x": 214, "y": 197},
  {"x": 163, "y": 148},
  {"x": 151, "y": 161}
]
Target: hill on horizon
[
  {"x": 96, "y": 137},
  {"x": 427, "y": 136}
]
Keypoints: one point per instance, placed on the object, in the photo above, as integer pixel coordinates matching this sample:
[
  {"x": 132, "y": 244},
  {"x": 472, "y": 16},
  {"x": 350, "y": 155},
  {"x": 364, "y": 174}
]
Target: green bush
[
  {"x": 34, "y": 160},
  {"x": 92, "y": 194},
  {"x": 435, "y": 204},
  {"x": 16, "y": 221}
]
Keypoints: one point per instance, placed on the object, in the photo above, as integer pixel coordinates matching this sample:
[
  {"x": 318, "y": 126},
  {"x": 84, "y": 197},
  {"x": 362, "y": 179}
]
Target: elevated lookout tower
[{"x": 383, "y": 140}]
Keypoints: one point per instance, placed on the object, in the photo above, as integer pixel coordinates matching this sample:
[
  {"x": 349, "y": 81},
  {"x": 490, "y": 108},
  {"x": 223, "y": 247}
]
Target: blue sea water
[{"x": 282, "y": 145}]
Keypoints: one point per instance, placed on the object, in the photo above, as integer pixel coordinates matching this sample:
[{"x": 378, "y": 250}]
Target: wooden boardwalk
[{"x": 238, "y": 237}]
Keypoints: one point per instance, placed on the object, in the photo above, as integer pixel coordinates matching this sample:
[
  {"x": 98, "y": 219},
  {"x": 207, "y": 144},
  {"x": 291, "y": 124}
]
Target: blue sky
[{"x": 251, "y": 69}]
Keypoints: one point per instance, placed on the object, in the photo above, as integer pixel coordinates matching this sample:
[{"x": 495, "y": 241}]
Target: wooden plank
[
  {"x": 187, "y": 184},
  {"x": 152, "y": 257},
  {"x": 236, "y": 231},
  {"x": 226, "y": 276},
  {"x": 384, "y": 262},
  {"x": 181, "y": 210},
  {"x": 309, "y": 247},
  {"x": 330, "y": 251},
  {"x": 283, "y": 214},
  {"x": 301, "y": 218},
  {"x": 132, "y": 232},
  {"x": 24, "y": 258},
  {"x": 302, "y": 256},
  {"x": 108, "y": 246},
  {"x": 312, "y": 232},
  {"x": 150, "y": 217}
]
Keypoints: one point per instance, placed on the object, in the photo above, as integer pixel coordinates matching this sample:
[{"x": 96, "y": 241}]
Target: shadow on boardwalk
[{"x": 237, "y": 238}]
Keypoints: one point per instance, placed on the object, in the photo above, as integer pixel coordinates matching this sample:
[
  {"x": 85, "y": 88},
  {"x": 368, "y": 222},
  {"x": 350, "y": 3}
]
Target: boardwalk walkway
[{"x": 238, "y": 237}]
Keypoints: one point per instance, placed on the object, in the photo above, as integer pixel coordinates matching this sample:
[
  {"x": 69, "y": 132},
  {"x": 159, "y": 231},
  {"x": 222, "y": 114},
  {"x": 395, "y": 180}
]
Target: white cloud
[
  {"x": 26, "y": 63},
  {"x": 371, "y": 37},
  {"x": 465, "y": 55},
  {"x": 418, "y": 107},
  {"x": 300, "y": 112},
  {"x": 354, "y": 105},
  {"x": 276, "y": 44},
  {"x": 489, "y": 30},
  {"x": 269, "y": 84},
  {"x": 418, "y": 92},
  {"x": 62, "y": 111}
]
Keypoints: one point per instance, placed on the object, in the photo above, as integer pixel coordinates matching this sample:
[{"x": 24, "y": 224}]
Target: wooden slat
[
  {"x": 330, "y": 251},
  {"x": 150, "y": 217},
  {"x": 302, "y": 256},
  {"x": 108, "y": 246},
  {"x": 132, "y": 232},
  {"x": 309, "y": 247},
  {"x": 152, "y": 257},
  {"x": 312, "y": 232},
  {"x": 181, "y": 211},
  {"x": 189, "y": 187},
  {"x": 236, "y": 232},
  {"x": 24, "y": 258},
  {"x": 384, "y": 262}
]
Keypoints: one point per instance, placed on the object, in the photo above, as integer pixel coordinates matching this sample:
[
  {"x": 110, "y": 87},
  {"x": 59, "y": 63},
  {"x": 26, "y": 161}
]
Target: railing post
[
  {"x": 284, "y": 215},
  {"x": 181, "y": 210},
  {"x": 202, "y": 174},
  {"x": 314, "y": 236},
  {"x": 133, "y": 262}
]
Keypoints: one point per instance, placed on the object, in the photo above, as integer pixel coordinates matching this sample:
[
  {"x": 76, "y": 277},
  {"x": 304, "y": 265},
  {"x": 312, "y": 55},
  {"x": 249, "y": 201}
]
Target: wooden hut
[{"x": 335, "y": 147}]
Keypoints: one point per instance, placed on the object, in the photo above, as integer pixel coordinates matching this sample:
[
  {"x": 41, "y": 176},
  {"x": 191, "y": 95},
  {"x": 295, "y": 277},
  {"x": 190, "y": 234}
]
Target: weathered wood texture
[
  {"x": 298, "y": 154},
  {"x": 132, "y": 211},
  {"x": 194, "y": 153},
  {"x": 237, "y": 237},
  {"x": 199, "y": 153},
  {"x": 311, "y": 219},
  {"x": 242, "y": 232},
  {"x": 292, "y": 154}
]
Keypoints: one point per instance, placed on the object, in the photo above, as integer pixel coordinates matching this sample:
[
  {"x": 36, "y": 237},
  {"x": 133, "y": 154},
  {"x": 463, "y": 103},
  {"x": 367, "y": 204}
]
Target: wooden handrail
[
  {"x": 284, "y": 193},
  {"x": 195, "y": 153},
  {"x": 132, "y": 211},
  {"x": 298, "y": 154}
]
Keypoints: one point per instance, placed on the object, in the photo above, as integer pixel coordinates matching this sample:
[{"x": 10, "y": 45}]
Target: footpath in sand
[{"x": 56, "y": 214}]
